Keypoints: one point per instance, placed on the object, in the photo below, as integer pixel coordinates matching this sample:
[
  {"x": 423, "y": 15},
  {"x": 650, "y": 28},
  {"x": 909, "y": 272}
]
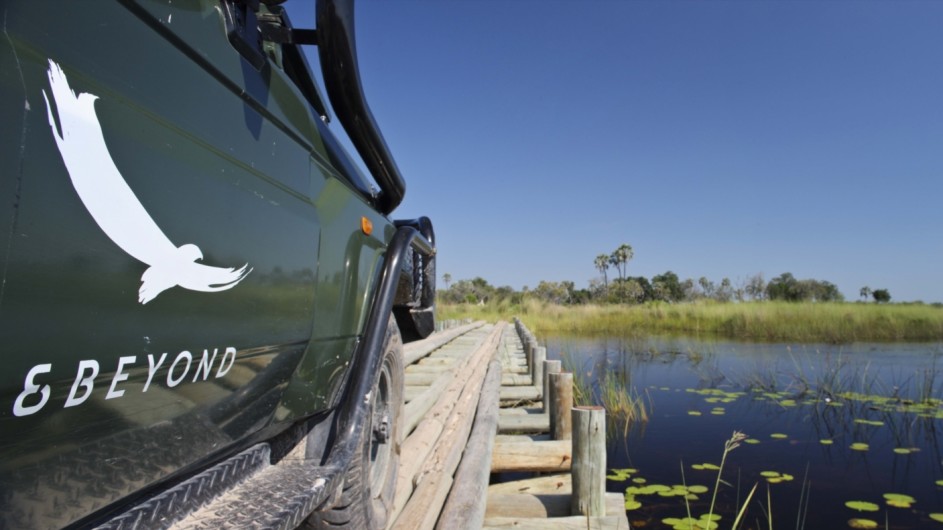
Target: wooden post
[
  {"x": 561, "y": 403},
  {"x": 540, "y": 355},
  {"x": 589, "y": 461},
  {"x": 529, "y": 347},
  {"x": 550, "y": 367}
]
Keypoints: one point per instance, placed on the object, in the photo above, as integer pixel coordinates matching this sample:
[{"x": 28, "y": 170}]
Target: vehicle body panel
[{"x": 244, "y": 176}]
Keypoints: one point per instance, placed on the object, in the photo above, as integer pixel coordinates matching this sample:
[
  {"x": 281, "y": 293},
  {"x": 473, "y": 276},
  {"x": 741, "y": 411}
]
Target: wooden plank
[
  {"x": 516, "y": 380},
  {"x": 543, "y": 505},
  {"x": 421, "y": 378},
  {"x": 412, "y": 392},
  {"x": 520, "y": 423},
  {"x": 436, "y": 368},
  {"x": 523, "y": 505},
  {"x": 520, "y": 393},
  {"x": 550, "y": 456},
  {"x": 557, "y": 523},
  {"x": 512, "y": 438},
  {"x": 434, "y": 479},
  {"x": 559, "y": 483},
  {"x": 419, "y": 403},
  {"x": 433, "y": 451},
  {"x": 465, "y": 506},
  {"x": 435, "y": 361},
  {"x": 414, "y": 351}
]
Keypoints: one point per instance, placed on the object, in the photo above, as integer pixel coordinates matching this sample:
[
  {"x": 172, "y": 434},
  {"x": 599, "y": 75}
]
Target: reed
[
  {"x": 757, "y": 321},
  {"x": 624, "y": 406}
]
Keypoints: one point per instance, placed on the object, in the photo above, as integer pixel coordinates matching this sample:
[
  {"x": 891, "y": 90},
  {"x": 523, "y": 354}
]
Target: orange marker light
[{"x": 366, "y": 226}]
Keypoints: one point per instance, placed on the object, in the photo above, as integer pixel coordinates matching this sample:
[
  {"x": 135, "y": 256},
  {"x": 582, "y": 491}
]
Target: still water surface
[{"x": 817, "y": 400}]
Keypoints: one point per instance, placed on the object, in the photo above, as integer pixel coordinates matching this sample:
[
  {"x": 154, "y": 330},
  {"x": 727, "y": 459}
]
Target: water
[{"x": 887, "y": 396}]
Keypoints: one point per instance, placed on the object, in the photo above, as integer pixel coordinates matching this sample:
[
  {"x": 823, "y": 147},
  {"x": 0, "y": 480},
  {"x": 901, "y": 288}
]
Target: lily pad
[
  {"x": 899, "y": 500},
  {"x": 862, "y": 506},
  {"x": 860, "y": 446},
  {"x": 694, "y": 413},
  {"x": 826, "y": 441},
  {"x": 902, "y": 450},
  {"x": 620, "y": 475},
  {"x": 779, "y": 436},
  {"x": 751, "y": 441},
  {"x": 775, "y": 477},
  {"x": 938, "y": 517},
  {"x": 862, "y": 523},
  {"x": 631, "y": 503},
  {"x": 698, "y": 489},
  {"x": 708, "y": 467},
  {"x": 939, "y": 482}
]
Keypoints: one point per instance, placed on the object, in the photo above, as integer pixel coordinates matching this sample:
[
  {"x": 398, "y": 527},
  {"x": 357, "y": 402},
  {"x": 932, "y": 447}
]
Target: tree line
[{"x": 621, "y": 288}]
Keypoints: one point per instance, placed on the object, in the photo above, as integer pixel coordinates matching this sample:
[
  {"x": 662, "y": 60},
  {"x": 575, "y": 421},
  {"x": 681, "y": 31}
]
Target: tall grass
[
  {"x": 624, "y": 406},
  {"x": 758, "y": 321}
]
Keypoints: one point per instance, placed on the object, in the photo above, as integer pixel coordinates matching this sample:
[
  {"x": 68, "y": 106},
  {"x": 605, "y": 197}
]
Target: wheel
[{"x": 367, "y": 496}]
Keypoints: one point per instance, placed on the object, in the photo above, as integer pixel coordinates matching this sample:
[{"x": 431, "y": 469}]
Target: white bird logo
[{"x": 114, "y": 206}]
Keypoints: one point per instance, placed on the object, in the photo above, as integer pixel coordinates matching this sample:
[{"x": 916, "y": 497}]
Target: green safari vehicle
[{"x": 203, "y": 299}]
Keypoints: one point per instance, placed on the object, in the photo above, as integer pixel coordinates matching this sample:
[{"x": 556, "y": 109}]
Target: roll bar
[{"x": 338, "y": 55}]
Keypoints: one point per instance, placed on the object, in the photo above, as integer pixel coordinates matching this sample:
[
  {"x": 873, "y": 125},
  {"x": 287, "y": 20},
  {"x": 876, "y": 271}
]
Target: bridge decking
[{"x": 472, "y": 413}]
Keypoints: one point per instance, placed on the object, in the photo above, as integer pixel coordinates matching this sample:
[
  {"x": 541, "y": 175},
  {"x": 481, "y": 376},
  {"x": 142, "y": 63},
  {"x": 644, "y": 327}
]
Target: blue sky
[{"x": 719, "y": 139}]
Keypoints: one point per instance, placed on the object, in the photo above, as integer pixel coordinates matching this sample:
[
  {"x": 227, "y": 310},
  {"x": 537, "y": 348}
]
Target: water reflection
[{"x": 818, "y": 400}]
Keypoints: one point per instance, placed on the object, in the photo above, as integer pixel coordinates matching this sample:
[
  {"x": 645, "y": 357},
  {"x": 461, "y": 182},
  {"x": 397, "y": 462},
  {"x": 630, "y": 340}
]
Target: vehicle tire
[{"x": 367, "y": 496}]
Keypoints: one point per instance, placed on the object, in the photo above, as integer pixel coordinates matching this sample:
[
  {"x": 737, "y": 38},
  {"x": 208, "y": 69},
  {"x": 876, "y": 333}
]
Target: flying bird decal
[{"x": 116, "y": 209}]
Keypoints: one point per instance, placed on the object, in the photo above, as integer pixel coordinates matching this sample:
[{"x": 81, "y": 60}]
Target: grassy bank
[{"x": 760, "y": 321}]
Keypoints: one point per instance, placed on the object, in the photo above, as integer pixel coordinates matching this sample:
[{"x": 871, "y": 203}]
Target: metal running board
[
  {"x": 173, "y": 504},
  {"x": 243, "y": 492},
  {"x": 279, "y": 496}
]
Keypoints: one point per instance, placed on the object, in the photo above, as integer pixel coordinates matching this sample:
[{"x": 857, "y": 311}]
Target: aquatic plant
[
  {"x": 734, "y": 442},
  {"x": 613, "y": 391}
]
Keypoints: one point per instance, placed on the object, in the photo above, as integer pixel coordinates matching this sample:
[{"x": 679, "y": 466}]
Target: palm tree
[
  {"x": 620, "y": 259},
  {"x": 447, "y": 278},
  {"x": 602, "y": 265}
]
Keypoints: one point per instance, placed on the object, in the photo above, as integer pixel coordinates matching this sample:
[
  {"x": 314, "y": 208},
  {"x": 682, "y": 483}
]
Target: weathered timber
[
  {"x": 542, "y": 505},
  {"x": 414, "y": 351},
  {"x": 516, "y": 380},
  {"x": 545, "y": 484},
  {"x": 426, "y": 454},
  {"x": 561, "y": 404},
  {"x": 412, "y": 392},
  {"x": 433, "y": 361},
  {"x": 432, "y": 491},
  {"x": 437, "y": 368},
  {"x": 435, "y": 477},
  {"x": 537, "y": 369},
  {"x": 557, "y": 523},
  {"x": 421, "y": 378},
  {"x": 418, "y": 403},
  {"x": 519, "y": 394},
  {"x": 589, "y": 461},
  {"x": 551, "y": 456},
  {"x": 465, "y": 506},
  {"x": 550, "y": 367},
  {"x": 519, "y": 423},
  {"x": 515, "y": 438}
]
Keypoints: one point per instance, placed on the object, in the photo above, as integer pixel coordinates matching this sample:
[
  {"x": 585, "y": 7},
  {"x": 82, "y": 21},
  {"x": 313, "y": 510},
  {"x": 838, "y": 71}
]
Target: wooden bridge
[{"x": 474, "y": 414}]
